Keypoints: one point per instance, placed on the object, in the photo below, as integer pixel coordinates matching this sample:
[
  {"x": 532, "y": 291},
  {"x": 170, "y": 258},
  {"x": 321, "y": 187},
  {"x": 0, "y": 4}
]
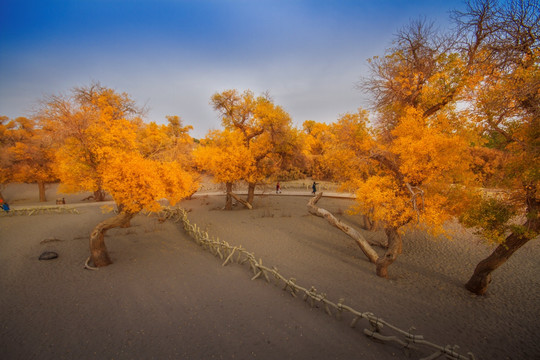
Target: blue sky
[{"x": 172, "y": 55}]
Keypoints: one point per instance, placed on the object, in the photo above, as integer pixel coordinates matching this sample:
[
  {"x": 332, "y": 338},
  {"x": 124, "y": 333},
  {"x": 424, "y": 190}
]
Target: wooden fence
[{"x": 229, "y": 254}]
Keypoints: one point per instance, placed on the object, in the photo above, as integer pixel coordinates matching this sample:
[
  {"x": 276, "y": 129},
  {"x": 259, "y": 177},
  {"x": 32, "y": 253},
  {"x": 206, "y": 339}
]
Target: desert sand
[{"x": 167, "y": 298}]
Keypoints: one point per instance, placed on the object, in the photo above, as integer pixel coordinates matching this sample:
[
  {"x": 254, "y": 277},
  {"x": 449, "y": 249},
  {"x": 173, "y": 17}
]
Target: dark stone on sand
[{"x": 48, "y": 255}]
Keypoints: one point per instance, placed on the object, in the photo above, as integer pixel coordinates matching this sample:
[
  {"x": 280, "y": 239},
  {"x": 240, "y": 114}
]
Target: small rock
[{"x": 48, "y": 255}]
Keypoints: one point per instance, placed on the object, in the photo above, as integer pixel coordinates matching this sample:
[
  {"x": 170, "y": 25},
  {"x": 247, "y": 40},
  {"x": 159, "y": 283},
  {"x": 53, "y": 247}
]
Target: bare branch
[{"x": 355, "y": 235}]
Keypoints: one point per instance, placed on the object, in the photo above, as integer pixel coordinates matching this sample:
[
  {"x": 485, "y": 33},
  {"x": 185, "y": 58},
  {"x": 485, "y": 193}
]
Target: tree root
[{"x": 87, "y": 265}]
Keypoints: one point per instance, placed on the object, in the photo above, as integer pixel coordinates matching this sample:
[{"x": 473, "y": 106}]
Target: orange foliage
[
  {"x": 409, "y": 180},
  {"x": 27, "y": 152},
  {"x": 317, "y": 139},
  {"x": 225, "y": 156},
  {"x": 105, "y": 148},
  {"x": 137, "y": 183},
  {"x": 263, "y": 127}
]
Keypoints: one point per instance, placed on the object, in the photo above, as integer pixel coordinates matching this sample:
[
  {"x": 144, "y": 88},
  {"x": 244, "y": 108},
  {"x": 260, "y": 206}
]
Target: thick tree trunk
[
  {"x": 98, "y": 250},
  {"x": 41, "y": 187},
  {"x": 251, "y": 192},
  {"x": 228, "y": 198},
  {"x": 353, "y": 233},
  {"x": 480, "y": 279},
  {"x": 395, "y": 247},
  {"x": 243, "y": 202},
  {"x": 126, "y": 224},
  {"x": 99, "y": 195}
]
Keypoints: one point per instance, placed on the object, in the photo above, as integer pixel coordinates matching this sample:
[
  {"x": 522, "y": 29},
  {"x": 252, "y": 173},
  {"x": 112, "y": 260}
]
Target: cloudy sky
[{"x": 172, "y": 55}]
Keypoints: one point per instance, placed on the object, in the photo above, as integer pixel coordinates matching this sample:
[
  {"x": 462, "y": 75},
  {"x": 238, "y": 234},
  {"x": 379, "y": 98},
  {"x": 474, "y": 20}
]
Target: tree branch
[
  {"x": 353, "y": 233},
  {"x": 242, "y": 201}
]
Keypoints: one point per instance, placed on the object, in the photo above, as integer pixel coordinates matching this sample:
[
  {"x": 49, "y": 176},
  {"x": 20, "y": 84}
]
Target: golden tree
[
  {"x": 265, "y": 129},
  {"x": 317, "y": 140},
  {"x": 5, "y": 142},
  {"x": 28, "y": 155},
  {"x": 87, "y": 125},
  {"x": 407, "y": 182},
  {"x": 136, "y": 184},
  {"x": 506, "y": 108},
  {"x": 169, "y": 142},
  {"x": 408, "y": 167},
  {"x": 418, "y": 168},
  {"x": 166, "y": 142},
  {"x": 275, "y": 145},
  {"x": 224, "y": 155},
  {"x": 101, "y": 153}
]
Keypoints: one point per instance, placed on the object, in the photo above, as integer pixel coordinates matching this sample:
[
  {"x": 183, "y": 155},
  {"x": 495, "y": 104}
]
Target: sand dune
[{"x": 165, "y": 297}]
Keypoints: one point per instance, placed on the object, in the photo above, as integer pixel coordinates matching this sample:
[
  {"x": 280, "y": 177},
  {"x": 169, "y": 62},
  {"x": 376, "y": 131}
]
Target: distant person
[
  {"x": 314, "y": 187},
  {"x": 5, "y": 206},
  {"x": 278, "y": 188}
]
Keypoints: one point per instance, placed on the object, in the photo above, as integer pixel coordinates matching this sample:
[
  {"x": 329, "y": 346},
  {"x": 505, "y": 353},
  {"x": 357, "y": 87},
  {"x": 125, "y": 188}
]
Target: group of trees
[
  {"x": 94, "y": 140},
  {"x": 257, "y": 142},
  {"x": 453, "y": 114}
]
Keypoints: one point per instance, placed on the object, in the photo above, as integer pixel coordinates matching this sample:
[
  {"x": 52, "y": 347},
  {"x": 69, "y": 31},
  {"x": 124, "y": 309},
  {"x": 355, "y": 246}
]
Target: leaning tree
[
  {"x": 101, "y": 151},
  {"x": 405, "y": 166},
  {"x": 506, "y": 110},
  {"x": 136, "y": 183},
  {"x": 408, "y": 182}
]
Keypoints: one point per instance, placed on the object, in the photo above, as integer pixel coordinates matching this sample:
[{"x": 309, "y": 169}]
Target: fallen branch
[{"x": 242, "y": 201}]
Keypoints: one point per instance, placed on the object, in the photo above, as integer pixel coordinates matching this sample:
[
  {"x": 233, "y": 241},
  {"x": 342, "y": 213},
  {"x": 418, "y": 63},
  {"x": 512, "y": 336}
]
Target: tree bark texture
[
  {"x": 228, "y": 198},
  {"x": 353, "y": 233},
  {"x": 480, "y": 279},
  {"x": 395, "y": 247},
  {"x": 369, "y": 224},
  {"x": 99, "y": 195},
  {"x": 41, "y": 187},
  {"x": 251, "y": 192},
  {"x": 243, "y": 202},
  {"x": 127, "y": 223},
  {"x": 98, "y": 250}
]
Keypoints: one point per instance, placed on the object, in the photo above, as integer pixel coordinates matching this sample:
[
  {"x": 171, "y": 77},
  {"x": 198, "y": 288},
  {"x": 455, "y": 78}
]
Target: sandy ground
[{"x": 166, "y": 298}]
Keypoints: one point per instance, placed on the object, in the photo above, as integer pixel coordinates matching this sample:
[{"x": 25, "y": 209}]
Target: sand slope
[{"x": 164, "y": 297}]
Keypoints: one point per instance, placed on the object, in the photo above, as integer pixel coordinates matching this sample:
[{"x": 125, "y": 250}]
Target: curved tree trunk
[
  {"x": 228, "y": 198},
  {"x": 353, "y": 233},
  {"x": 127, "y": 223},
  {"x": 251, "y": 192},
  {"x": 395, "y": 247},
  {"x": 41, "y": 187},
  {"x": 98, "y": 250},
  {"x": 480, "y": 279}
]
